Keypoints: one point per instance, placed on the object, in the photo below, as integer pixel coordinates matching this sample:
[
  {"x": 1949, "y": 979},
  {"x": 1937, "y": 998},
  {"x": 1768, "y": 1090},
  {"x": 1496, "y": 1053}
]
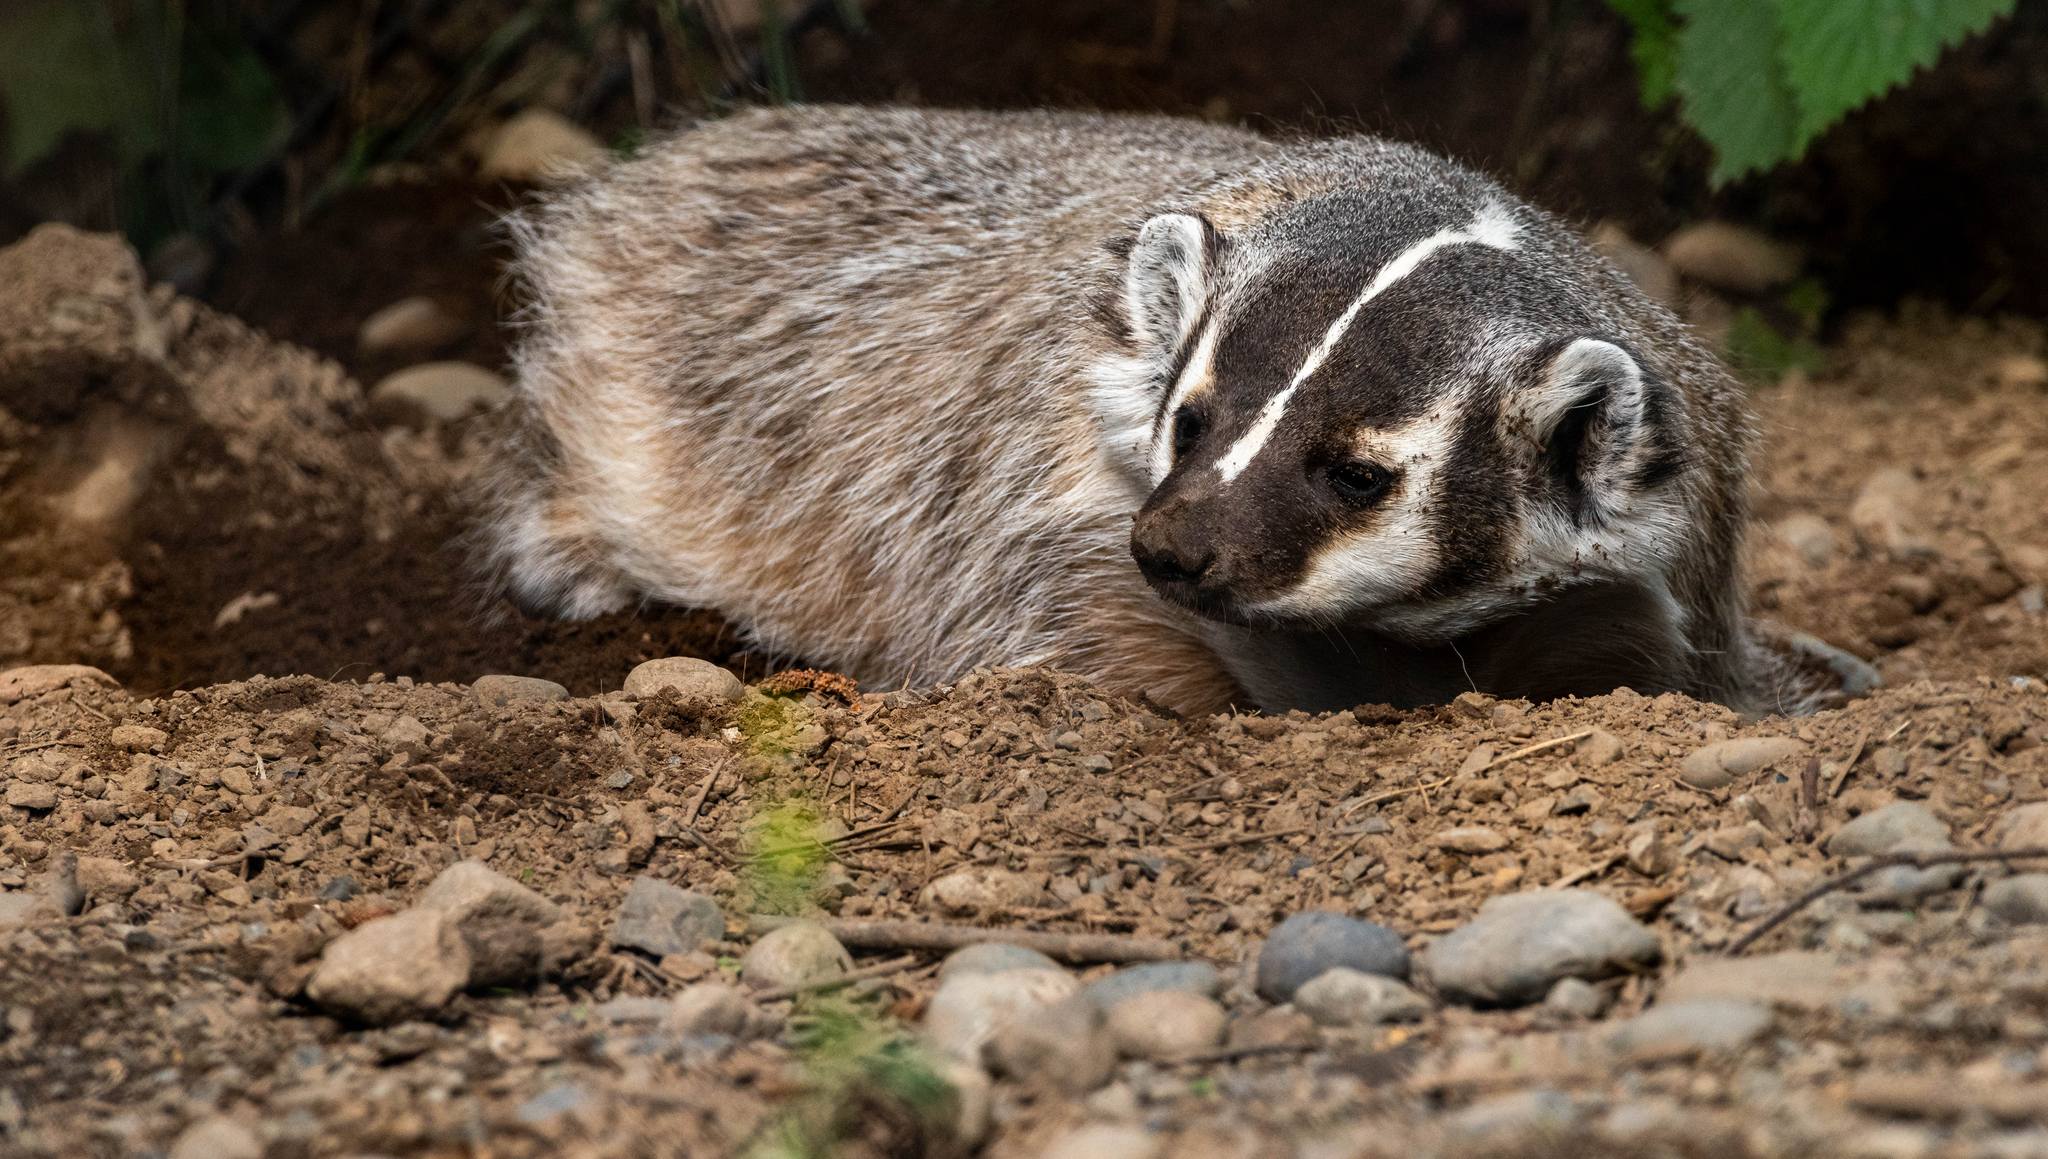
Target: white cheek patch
[
  {"x": 1492, "y": 226},
  {"x": 1196, "y": 376},
  {"x": 1398, "y": 555}
]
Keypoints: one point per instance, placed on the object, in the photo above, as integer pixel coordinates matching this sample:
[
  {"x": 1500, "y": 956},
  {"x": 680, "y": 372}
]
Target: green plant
[
  {"x": 1761, "y": 79},
  {"x": 178, "y": 97}
]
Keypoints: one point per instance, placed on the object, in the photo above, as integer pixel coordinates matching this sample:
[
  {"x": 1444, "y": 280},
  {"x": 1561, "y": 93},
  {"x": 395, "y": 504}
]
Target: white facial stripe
[
  {"x": 1491, "y": 227},
  {"x": 1197, "y": 374}
]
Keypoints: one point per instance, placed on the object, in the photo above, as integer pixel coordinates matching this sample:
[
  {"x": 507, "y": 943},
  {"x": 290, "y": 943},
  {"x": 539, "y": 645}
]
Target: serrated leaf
[
  {"x": 1653, "y": 45},
  {"x": 77, "y": 66},
  {"x": 1732, "y": 86},
  {"x": 1837, "y": 54}
]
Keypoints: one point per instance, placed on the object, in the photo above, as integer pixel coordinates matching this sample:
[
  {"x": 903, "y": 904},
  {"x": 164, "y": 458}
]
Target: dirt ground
[{"x": 277, "y": 741}]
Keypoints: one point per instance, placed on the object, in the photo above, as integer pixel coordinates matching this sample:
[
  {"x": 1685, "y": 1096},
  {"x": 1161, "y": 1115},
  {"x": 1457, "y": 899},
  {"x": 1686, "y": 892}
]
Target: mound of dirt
[{"x": 184, "y": 843}]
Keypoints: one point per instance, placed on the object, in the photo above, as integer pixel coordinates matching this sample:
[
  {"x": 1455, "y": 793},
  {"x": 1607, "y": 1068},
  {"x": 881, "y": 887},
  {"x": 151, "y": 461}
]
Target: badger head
[{"x": 1386, "y": 409}]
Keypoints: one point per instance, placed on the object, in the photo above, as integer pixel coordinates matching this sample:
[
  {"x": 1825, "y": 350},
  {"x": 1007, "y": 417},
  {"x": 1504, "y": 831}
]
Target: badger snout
[{"x": 1183, "y": 563}]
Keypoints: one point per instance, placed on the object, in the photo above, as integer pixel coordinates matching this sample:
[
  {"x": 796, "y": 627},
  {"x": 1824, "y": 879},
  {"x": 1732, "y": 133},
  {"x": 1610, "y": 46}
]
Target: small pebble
[
  {"x": 698, "y": 685},
  {"x": 1104, "y": 1141},
  {"x": 1166, "y": 1024},
  {"x": 1343, "y": 997},
  {"x": 1520, "y": 944},
  {"x": 1065, "y": 1047},
  {"x": 2021, "y": 899},
  {"x": 1716, "y": 766},
  {"x": 539, "y": 146},
  {"x": 1808, "y": 535},
  {"x": 983, "y": 889},
  {"x": 1470, "y": 839},
  {"x": 409, "y": 326},
  {"x": 444, "y": 391},
  {"x": 1150, "y": 977},
  {"x": 499, "y": 691},
  {"x": 797, "y": 954},
  {"x": 709, "y": 1008},
  {"x": 1531, "y": 1114},
  {"x": 1679, "y": 1030},
  {"x": 1577, "y": 998},
  {"x": 992, "y": 958},
  {"x": 1307, "y": 944},
  {"x": 1731, "y": 257},
  {"x": 217, "y": 1138},
  {"x": 405, "y": 965}
]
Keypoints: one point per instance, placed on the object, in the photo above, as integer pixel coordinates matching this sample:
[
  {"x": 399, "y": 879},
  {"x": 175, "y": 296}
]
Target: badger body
[{"x": 1201, "y": 415}]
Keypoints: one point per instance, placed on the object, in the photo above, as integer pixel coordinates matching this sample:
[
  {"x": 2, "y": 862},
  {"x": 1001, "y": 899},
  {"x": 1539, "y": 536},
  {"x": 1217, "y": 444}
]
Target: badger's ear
[
  {"x": 1166, "y": 284},
  {"x": 1599, "y": 422}
]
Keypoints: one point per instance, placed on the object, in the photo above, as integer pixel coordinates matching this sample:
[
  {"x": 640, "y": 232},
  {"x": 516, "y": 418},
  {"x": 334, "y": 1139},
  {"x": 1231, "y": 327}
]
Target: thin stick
[
  {"x": 1842, "y": 774},
  {"x": 1390, "y": 794},
  {"x": 1239, "y": 1053},
  {"x": 887, "y": 935},
  {"x": 1531, "y": 750},
  {"x": 1886, "y": 861},
  {"x": 1594, "y": 870},
  {"x": 703, "y": 792},
  {"x": 1240, "y": 839},
  {"x": 878, "y": 970}
]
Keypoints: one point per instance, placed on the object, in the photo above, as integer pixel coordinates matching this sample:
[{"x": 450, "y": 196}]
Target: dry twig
[{"x": 1883, "y": 861}]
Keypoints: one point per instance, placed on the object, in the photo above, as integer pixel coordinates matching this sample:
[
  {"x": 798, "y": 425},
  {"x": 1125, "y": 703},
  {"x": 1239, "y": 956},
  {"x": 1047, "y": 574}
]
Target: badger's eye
[
  {"x": 1187, "y": 430},
  {"x": 1361, "y": 484}
]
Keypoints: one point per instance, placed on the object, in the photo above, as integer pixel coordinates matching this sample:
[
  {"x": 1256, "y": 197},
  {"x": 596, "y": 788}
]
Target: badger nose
[{"x": 1168, "y": 560}]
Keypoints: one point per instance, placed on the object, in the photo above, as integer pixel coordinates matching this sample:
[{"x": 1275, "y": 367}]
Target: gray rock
[
  {"x": 1347, "y": 997},
  {"x": 33, "y": 796},
  {"x": 1306, "y": 944},
  {"x": 56, "y": 894},
  {"x": 663, "y": 919},
  {"x": 1166, "y": 1024},
  {"x": 443, "y": 391},
  {"x": 514, "y": 935},
  {"x": 1152, "y": 977},
  {"x": 2021, "y": 899},
  {"x": 499, "y": 691},
  {"x": 1907, "y": 827},
  {"x": 968, "y": 1009},
  {"x": 1810, "y": 536},
  {"x": 1064, "y": 1047},
  {"x": 217, "y": 1138},
  {"x": 1675, "y": 1030},
  {"x": 709, "y": 1008},
  {"x": 389, "y": 969},
  {"x": 992, "y": 958},
  {"x": 1524, "y": 1115},
  {"x": 797, "y": 954},
  {"x": 699, "y": 685},
  {"x": 1601, "y": 748},
  {"x": 1717, "y": 765},
  {"x": 1577, "y": 998},
  {"x": 1519, "y": 945},
  {"x": 1885, "y": 515}
]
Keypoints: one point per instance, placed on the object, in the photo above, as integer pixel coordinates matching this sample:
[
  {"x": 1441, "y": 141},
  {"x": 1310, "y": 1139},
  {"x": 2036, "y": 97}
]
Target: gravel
[
  {"x": 968, "y": 1009},
  {"x": 1307, "y": 944},
  {"x": 1520, "y": 944}
]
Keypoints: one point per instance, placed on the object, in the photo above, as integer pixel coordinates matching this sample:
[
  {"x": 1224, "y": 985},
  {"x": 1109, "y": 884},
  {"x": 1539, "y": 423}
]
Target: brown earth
[{"x": 187, "y": 505}]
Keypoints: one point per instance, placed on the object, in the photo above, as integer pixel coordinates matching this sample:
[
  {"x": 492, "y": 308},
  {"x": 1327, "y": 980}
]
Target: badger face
[{"x": 1383, "y": 413}]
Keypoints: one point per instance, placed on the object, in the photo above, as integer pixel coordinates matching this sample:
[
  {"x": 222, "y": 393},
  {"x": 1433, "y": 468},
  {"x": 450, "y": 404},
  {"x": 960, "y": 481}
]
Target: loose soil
[{"x": 272, "y": 581}]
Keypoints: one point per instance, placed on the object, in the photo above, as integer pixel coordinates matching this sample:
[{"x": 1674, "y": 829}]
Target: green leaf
[
  {"x": 79, "y": 66},
  {"x": 1733, "y": 87},
  {"x": 1653, "y": 46},
  {"x": 1837, "y": 54}
]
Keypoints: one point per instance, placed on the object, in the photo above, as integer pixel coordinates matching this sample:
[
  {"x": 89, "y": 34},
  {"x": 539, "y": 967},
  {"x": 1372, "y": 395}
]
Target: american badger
[{"x": 1201, "y": 415}]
